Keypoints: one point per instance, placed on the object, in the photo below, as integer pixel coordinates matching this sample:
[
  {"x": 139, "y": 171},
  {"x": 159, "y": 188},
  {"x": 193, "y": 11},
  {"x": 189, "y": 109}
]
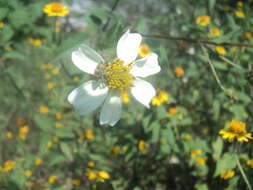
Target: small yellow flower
[
  {"x": 91, "y": 174},
  {"x": 203, "y": 20},
  {"x": 8, "y": 165},
  {"x": 239, "y": 14},
  {"x": 196, "y": 152},
  {"x": 55, "y": 71},
  {"x": 58, "y": 125},
  {"x": 144, "y": 50},
  {"x": 56, "y": 9},
  {"x": 250, "y": 163},
  {"x": 179, "y": 71},
  {"x": 43, "y": 109},
  {"x": 161, "y": 97},
  {"x": 115, "y": 150},
  {"x": 76, "y": 182},
  {"x": 37, "y": 42},
  {"x": 215, "y": 31},
  {"x": 172, "y": 111},
  {"x": 2, "y": 24},
  {"x": 50, "y": 85},
  {"x": 38, "y": 161},
  {"x": 88, "y": 134},
  {"x": 124, "y": 97},
  {"x": 236, "y": 130},
  {"x": 200, "y": 161},
  {"x": 52, "y": 179},
  {"x": 49, "y": 144},
  {"x": 23, "y": 132},
  {"x": 239, "y": 4},
  {"x": 103, "y": 175},
  {"x": 90, "y": 164},
  {"x": 247, "y": 35},
  {"x": 227, "y": 174},
  {"x": 142, "y": 146},
  {"x": 8, "y": 135},
  {"x": 28, "y": 173},
  {"x": 187, "y": 137},
  {"x": 58, "y": 115},
  {"x": 220, "y": 50}
]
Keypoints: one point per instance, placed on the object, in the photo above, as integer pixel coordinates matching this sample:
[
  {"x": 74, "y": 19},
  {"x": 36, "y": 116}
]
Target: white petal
[
  {"x": 143, "y": 91},
  {"x": 111, "y": 111},
  {"x": 86, "y": 59},
  {"x": 127, "y": 47},
  {"x": 146, "y": 66},
  {"x": 87, "y": 97}
]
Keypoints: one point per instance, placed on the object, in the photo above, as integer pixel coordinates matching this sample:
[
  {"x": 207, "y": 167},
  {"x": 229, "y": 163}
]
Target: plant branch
[
  {"x": 109, "y": 19},
  {"x": 196, "y": 41}
]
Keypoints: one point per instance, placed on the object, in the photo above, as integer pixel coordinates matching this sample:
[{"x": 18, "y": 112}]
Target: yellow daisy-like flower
[
  {"x": 236, "y": 130},
  {"x": 172, "y": 111},
  {"x": 203, "y": 20},
  {"x": 50, "y": 85},
  {"x": 88, "y": 134},
  {"x": 250, "y": 163},
  {"x": 52, "y": 179},
  {"x": 115, "y": 150},
  {"x": 215, "y": 31},
  {"x": 124, "y": 97},
  {"x": 58, "y": 115},
  {"x": 179, "y": 71},
  {"x": 196, "y": 152},
  {"x": 239, "y": 14},
  {"x": 227, "y": 174},
  {"x": 8, "y": 135},
  {"x": 200, "y": 161},
  {"x": 142, "y": 146},
  {"x": 103, "y": 175},
  {"x": 161, "y": 97},
  {"x": 220, "y": 50},
  {"x": 43, "y": 109},
  {"x": 56, "y": 9},
  {"x": 28, "y": 173},
  {"x": 90, "y": 164},
  {"x": 8, "y": 166},
  {"x": 91, "y": 174},
  {"x": 144, "y": 50},
  {"x": 38, "y": 161}
]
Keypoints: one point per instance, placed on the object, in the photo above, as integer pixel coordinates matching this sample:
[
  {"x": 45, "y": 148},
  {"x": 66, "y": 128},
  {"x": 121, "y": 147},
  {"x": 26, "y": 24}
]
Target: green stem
[{"x": 242, "y": 172}]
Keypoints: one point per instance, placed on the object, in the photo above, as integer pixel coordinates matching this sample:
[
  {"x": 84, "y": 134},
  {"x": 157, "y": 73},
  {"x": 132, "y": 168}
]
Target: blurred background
[{"x": 175, "y": 145}]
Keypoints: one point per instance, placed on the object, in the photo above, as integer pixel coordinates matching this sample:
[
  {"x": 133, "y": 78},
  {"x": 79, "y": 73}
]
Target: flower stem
[{"x": 242, "y": 172}]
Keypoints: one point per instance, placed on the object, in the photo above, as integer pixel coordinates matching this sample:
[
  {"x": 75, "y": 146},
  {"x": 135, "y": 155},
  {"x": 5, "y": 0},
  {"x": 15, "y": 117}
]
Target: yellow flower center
[
  {"x": 56, "y": 7},
  {"x": 116, "y": 75},
  {"x": 237, "y": 127}
]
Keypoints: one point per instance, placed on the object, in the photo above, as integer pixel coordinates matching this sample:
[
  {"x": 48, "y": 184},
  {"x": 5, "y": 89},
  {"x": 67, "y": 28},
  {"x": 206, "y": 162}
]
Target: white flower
[{"x": 119, "y": 75}]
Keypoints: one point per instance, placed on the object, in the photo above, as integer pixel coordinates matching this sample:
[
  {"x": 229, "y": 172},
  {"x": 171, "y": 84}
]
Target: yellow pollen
[
  {"x": 117, "y": 75},
  {"x": 237, "y": 127}
]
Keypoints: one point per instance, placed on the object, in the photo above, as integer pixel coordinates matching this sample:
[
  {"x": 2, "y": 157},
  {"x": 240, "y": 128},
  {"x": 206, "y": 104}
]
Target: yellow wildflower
[
  {"x": 56, "y": 9},
  {"x": 37, "y": 42},
  {"x": 43, "y": 109},
  {"x": 91, "y": 174},
  {"x": 247, "y": 35},
  {"x": 8, "y": 165},
  {"x": 215, "y": 31},
  {"x": 50, "y": 85},
  {"x": 172, "y": 111},
  {"x": 23, "y": 132},
  {"x": 124, "y": 97},
  {"x": 236, "y": 130},
  {"x": 200, "y": 161},
  {"x": 76, "y": 182},
  {"x": 250, "y": 163},
  {"x": 142, "y": 146},
  {"x": 103, "y": 175},
  {"x": 2, "y": 24},
  {"x": 28, "y": 173},
  {"x": 38, "y": 161},
  {"x": 161, "y": 97},
  {"x": 196, "y": 152},
  {"x": 187, "y": 137},
  {"x": 90, "y": 164},
  {"x": 179, "y": 71},
  {"x": 58, "y": 115},
  {"x": 115, "y": 150},
  {"x": 144, "y": 50},
  {"x": 49, "y": 144},
  {"x": 239, "y": 14},
  {"x": 8, "y": 135},
  {"x": 55, "y": 71},
  {"x": 203, "y": 20},
  {"x": 227, "y": 174},
  {"x": 88, "y": 134},
  {"x": 220, "y": 50},
  {"x": 52, "y": 179}
]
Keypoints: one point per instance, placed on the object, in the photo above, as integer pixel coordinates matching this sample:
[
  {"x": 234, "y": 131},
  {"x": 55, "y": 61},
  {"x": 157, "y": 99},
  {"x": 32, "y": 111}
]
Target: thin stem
[
  {"x": 231, "y": 63},
  {"x": 242, "y": 172},
  {"x": 212, "y": 68},
  {"x": 109, "y": 19},
  {"x": 196, "y": 41}
]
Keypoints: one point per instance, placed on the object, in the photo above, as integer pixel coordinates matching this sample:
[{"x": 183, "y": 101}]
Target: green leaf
[
  {"x": 3, "y": 12},
  {"x": 217, "y": 148},
  {"x": 227, "y": 162},
  {"x": 66, "y": 151},
  {"x": 7, "y": 33}
]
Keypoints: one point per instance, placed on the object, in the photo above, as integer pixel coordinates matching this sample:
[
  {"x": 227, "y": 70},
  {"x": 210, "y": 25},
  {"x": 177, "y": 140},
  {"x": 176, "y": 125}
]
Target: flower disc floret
[{"x": 117, "y": 75}]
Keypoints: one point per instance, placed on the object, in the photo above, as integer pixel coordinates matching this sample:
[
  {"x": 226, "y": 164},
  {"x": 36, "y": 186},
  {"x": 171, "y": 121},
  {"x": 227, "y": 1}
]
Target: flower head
[
  {"x": 236, "y": 130},
  {"x": 161, "y": 97},
  {"x": 144, "y": 50},
  {"x": 8, "y": 165},
  {"x": 114, "y": 77},
  {"x": 239, "y": 14},
  {"x": 250, "y": 163},
  {"x": 56, "y": 9},
  {"x": 220, "y": 50},
  {"x": 227, "y": 174},
  {"x": 215, "y": 31},
  {"x": 203, "y": 20},
  {"x": 179, "y": 71}
]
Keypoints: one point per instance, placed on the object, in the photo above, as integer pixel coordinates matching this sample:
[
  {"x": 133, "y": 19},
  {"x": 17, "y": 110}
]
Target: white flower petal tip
[
  {"x": 87, "y": 97},
  {"x": 111, "y": 111},
  {"x": 127, "y": 47},
  {"x": 86, "y": 59},
  {"x": 143, "y": 92},
  {"x": 146, "y": 66}
]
